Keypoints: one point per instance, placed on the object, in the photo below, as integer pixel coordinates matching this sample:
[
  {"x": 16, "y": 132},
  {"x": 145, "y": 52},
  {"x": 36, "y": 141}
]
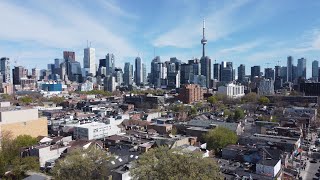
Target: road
[{"x": 312, "y": 170}]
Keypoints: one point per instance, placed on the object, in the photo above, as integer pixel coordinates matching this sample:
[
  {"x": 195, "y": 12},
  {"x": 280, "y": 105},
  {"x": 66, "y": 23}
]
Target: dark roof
[{"x": 268, "y": 162}]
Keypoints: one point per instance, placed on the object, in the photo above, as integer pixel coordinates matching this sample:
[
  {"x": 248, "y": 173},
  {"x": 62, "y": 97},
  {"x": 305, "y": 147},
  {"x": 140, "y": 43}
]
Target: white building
[
  {"x": 86, "y": 86},
  {"x": 268, "y": 167},
  {"x": 89, "y": 60},
  {"x": 232, "y": 90},
  {"x": 266, "y": 87},
  {"x": 95, "y": 130}
]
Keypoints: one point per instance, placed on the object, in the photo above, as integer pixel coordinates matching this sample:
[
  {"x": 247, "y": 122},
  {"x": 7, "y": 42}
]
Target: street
[{"x": 311, "y": 170}]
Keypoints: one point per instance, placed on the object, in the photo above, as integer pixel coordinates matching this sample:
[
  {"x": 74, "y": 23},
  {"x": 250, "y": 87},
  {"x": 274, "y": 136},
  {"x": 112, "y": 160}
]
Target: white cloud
[
  {"x": 241, "y": 47},
  {"x": 115, "y": 9},
  {"x": 67, "y": 30},
  {"x": 219, "y": 24}
]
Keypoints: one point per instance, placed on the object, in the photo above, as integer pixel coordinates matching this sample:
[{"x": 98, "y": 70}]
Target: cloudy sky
[{"x": 34, "y": 32}]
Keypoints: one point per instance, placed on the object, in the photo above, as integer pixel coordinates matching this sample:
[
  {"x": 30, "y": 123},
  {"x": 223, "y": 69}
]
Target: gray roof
[{"x": 208, "y": 123}]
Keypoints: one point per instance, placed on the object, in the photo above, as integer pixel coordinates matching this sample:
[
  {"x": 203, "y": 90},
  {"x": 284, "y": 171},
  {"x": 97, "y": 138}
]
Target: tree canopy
[
  {"x": 10, "y": 159},
  {"x": 164, "y": 163},
  {"x": 264, "y": 100},
  {"x": 91, "y": 163},
  {"x": 250, "y": 97},
  {"x": 238, "y": 114},
  {"x": 219, "y": 138}
]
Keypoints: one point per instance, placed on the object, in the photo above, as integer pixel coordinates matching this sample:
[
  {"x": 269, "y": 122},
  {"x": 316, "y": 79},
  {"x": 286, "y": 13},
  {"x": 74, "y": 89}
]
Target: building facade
[
  {"x": 89, "y": 60},
  {"x": 190, "y": 93},
  {"x": 232, "y": 90}
]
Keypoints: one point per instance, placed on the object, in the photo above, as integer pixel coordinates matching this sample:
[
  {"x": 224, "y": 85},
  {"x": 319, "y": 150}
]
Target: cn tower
[{"x": 203, "y": 40}]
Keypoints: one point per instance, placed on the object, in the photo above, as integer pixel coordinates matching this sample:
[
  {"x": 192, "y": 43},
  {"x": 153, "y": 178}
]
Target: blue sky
[{"x": 34, "y": 32}]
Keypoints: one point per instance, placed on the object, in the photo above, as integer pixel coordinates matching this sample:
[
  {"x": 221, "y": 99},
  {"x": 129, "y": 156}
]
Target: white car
[{"x": 314, "y": 149}]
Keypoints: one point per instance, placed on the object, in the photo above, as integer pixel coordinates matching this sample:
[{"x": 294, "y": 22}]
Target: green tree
[
  {"x": 238, "y": 114},
  {"x": 212, "y": 100},
  {"x": 219, "y": 138},
  {"x": 25, "y": 100},
  {"x": 91, "y": 163},
  {"x": 264, "y": 100},
  {"x": 174, "y": 131},
  {"x": 164, "y": 163},
  {"x": 193, "y": 111},
  {"x": 10, "y": 159},
  {"x": 250, "y": 97},
  {"x": 57, "y": 100}
]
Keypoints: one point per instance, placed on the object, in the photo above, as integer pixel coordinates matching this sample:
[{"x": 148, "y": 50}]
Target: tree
[
  {"x": 193, "y": 111},
  {"x": 25, "y": 100},
  {"x": 238, "y": 114},
  {"x": 212, "y": 100},
  {"x": 10, "y": 159},
  {"x": 174, "y": 131},
  {"x": 250, "y": 97},
  {"x": 57, "y": 100},
  {"x": 219, "y": 138},
  {"x": 264, "y": 100},
  {"x": 91, "y": 163},
  {"x": 164, "y": 163}
]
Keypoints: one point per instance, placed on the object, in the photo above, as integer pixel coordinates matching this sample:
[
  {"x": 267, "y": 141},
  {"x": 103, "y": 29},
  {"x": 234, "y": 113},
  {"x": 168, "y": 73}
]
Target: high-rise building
[
  {"x": 227, "y": 72},
  {"x": 216, "y": 71},
  {"x": 109, "y": 83},
  {"x": 138, "y": 71},
  {"x": 206, "y": 69},
  {"x": 118, "y": 74},
  {"x": 302, "y": 68},
  {"x": 154, "y": 74},
  {"x": 36, "y": 73},
  {"x": 186, "y": 73},
  {"x": 69, "y": 56},
  {"x": 144, "y": 74},
  {"x": 57, "y": 63},
  {"x": 289, "y": 69},
  {"x": 283, "y": 73},
  {"x": 102, "y": 63},
  {"x": 315, "y": 70},
  {"x": 241, "y": 73},
  {"x": 128, "y": 74},
  {"x": 277, "y": 71},
  {"x": 75, "y": 71},
  {"x": 5, "y": 69},
  {"x": 269, "y": 73},
  {"x": 18, "y": 72},
  {"x": 89, "y": 60},
  {"x": 110, "y": 63},
  {"x": 255, "y": 72}
]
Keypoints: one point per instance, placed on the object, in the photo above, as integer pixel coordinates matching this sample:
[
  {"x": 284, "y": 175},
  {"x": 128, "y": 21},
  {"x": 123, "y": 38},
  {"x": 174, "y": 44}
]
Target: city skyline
[{"x": 268, "y": 33}]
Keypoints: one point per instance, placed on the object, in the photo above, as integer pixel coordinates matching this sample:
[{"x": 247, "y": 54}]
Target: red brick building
[{"x": 190, "y": 93}]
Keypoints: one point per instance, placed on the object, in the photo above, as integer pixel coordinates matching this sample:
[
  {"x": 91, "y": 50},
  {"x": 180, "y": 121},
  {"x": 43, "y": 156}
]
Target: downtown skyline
[{"x": 244, "y": 32}]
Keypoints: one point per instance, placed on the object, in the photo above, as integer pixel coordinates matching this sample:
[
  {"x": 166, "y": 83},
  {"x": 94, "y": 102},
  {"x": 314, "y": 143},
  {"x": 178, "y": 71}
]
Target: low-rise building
[
  {"x": 95, "y": 130},
  {"x": 22, "y": 121}
]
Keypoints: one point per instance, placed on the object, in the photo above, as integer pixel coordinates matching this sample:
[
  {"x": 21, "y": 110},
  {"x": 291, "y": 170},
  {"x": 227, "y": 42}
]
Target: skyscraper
[
  {"x": 302, "y": 68},
  {"x": 227, "y": 72},
  {"x": 216, "y": 71},
  {"x": 5, "y": 69},
  {"x": 128, "y": 74},
  {"x": 138, "y": 71},
  {"x": 241, "y": 73},
  {"x": 277, "y": 71},
  {"x": 154, "y": 68},
  {"x": 89, "y": 60},
  {"x": 18, "y": 72},
  {"x": 255, "y": 72},
  {"x": 144, "y": 74},
  {"x": 269, "y": 73},
  {"x": 69, "y": 56},
  {"x": 110, "y": 63},
  {"x": 315, "y": 70},
  {"x": 57, "y": 63},
  {"x": 289, "y": 68}
]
